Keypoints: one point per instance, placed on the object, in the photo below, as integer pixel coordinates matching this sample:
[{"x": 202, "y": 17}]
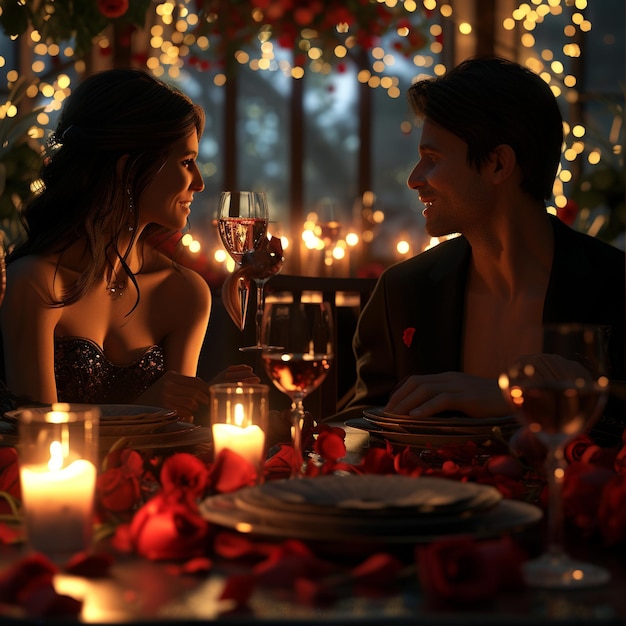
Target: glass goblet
[
  {"x": 558, "y": 395},
  {"x": 299, "y": 339}
]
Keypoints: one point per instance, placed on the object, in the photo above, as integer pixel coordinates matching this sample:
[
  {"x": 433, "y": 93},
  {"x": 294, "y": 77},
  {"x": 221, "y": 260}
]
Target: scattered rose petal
[
  {"x": 89, "y": 565},
  {"x": 378, "y": 570},
  {"x": 22, "y": 572},
  {"x": 238, "y": 588},
  {"x": 231, "y": 472},
  {"x": 198, "y": 565}
]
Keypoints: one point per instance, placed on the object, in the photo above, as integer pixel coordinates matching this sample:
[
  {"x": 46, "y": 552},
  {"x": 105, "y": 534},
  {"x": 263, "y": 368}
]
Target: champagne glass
[
  {"x": 260, "y": 265},
  {"x": 304, "y": 332},
  {"x": 242, "y": 225},
  {"x": 558, "y": 395}
]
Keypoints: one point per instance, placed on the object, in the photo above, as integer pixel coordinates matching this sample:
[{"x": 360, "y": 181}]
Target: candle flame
[
  {"x": 56, "y": 456},
  {"x": 239, "y": 414}
]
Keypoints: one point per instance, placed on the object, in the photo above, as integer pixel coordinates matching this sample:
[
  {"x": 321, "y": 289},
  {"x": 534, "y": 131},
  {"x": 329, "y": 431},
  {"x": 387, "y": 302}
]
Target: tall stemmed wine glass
[
  {"x": 304, "y": 332},
  {"x": 559, "y": 394},
  {"x": 242, "y": 224}
]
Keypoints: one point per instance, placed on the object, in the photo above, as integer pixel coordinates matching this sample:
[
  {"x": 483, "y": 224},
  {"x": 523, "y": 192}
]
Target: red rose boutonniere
[{"x": 407, "y": 336}]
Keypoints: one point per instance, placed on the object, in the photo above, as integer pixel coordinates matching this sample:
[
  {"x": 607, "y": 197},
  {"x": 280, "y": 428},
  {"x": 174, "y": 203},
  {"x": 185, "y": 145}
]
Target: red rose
[
  {"x": 377, "y": 461},
  {"x": 465, "y": 571},
  {"x": 505, "y": 465},
  {"x": 184, "y": 472},
  {"x": 612, "y": 510},
  {"x": 9, "y": 476},
  {"x": 168, "y": 528},
  {"x": 113, "y": 8},
  {"x": 583, "y": 448},
  {"x": 408, "y": 463},
  {"x": 118, "y": 491},
  {"x": 231, "y": 472},
  {"x": 407, "y": 336},
  {"x": 582, "y": 491},
  {"x": 524, "y": 443},
  {"x": 330, "y": 445},
  {"x": 619, "y": 463},
  {"x": 118, "y": 488}
]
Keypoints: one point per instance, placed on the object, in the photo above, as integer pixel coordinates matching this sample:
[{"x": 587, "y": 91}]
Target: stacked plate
[
  {"x": 432, "y": 431},
  {"x": 139, "y": 426},
  {"x": 387, "y": 509},
  {"x": 147, "y": 427}
]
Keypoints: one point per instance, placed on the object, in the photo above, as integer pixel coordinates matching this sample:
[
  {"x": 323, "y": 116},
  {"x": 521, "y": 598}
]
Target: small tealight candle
[
  {"x": 58, "y": 477},
  {"x": 239, "y": 420}
]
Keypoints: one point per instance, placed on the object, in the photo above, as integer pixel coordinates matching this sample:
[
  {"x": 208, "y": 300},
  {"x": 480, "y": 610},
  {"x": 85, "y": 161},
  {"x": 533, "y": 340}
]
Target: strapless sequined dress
[{"x": 84, "y": 374}]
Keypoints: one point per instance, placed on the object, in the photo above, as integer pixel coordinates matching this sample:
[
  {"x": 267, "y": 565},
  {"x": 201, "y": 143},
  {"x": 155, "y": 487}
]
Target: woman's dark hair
[
  {"x": 488, "y": 101},
  {"x": 87, "y": 188}
]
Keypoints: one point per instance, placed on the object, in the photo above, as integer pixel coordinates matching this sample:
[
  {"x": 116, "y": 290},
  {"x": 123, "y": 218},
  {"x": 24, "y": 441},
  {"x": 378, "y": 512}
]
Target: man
[{"x": 441, "y": 327}]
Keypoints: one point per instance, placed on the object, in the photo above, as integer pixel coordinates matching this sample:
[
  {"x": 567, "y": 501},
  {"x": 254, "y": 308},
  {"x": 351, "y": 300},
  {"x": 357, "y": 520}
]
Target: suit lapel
[
  {"x": 442, "y": 316},
  {"x": 570, "y": 269}
]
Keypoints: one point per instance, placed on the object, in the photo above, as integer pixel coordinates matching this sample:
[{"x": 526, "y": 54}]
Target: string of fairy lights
[{"x": 176, "y": 37}]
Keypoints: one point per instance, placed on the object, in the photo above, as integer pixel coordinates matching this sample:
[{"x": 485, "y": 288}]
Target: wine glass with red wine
[
  {"x": 558, "y": 395},
  {"x": 299, "y": 352}
]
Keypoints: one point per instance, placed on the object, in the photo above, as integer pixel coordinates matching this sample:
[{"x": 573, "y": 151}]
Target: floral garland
[
  {"x": 67, "y": 20},
  {"x": 149, "y": 507},
  {"x": 300, "y": 25},
  {"x": 232, "y": 25}
]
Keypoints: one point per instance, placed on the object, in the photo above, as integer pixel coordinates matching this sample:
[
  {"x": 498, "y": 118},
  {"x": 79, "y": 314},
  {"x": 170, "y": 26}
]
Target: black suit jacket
[{"x": 427, "y": 293}]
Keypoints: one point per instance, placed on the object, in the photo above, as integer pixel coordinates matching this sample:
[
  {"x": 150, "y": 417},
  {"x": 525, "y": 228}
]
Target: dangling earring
[{"x": 131, "y": 211}]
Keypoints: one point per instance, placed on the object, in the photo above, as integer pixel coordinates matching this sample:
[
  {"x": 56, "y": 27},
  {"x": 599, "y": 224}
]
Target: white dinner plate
[
  {"x": 506, "y": 516},
  {"x": 360, "y": 497}
]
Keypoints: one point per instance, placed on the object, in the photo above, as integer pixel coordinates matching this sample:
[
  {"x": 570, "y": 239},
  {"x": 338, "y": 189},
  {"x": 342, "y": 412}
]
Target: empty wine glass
[
  {"x": 260, "y": 265},
  {"x": 242, "y": 224},
  {"x": 559, "y": 394},
  {"x": 304, "y": 332}
]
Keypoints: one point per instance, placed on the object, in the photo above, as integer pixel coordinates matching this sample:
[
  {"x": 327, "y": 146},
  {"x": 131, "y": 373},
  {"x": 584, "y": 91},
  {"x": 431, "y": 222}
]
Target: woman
[{"x": 93, "y": 312}]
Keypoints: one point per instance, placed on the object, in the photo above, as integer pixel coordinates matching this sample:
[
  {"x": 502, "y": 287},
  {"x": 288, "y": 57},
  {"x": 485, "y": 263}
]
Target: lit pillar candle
[
  {"x": 59, "y": 503},
  {"x": 58, "y": 450},
  {"x": 247, "y": 441},
  {"x": 239, "y": 414}
]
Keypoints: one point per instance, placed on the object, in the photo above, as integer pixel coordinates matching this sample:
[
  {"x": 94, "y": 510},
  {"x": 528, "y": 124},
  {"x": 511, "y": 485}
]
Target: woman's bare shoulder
[
  {"x": 36, "y": 271},
  {"x": 181, "y": 280},
  {"x": 33, "y": 288}
]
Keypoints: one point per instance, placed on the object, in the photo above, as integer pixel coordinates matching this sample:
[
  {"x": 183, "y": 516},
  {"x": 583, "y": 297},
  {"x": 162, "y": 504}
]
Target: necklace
[{"x": 115, "y": 288}]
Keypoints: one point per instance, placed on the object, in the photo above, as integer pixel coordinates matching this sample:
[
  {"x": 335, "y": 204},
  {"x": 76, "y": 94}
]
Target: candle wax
[
  {"x": 247, "y": 442},
  {"x": 58, "y": 506}
]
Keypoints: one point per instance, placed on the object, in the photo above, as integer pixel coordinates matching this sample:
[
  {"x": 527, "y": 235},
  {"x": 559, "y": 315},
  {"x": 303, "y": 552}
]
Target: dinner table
[
  {"x": 141, "y": 591},
  {"x": 133, "y": 589}
]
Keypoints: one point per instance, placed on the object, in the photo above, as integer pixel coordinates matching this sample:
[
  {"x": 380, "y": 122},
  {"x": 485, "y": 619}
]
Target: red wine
[
  {"x": 558, "y": 408},
  {"x": 297, "y": 373},
  {"x": 241, "y": 234}
]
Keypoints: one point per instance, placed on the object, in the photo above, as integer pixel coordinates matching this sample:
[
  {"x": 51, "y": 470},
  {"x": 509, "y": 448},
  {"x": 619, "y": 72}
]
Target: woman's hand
[
  {"x": 430, "y": 394},
  {"x": 183, "y": 394},
  {"x": 236, "y": 374}
]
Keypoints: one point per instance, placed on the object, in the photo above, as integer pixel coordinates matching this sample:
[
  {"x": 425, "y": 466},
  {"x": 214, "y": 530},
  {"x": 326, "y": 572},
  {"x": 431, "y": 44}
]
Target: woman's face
[{"x": 167, "y": 198}]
